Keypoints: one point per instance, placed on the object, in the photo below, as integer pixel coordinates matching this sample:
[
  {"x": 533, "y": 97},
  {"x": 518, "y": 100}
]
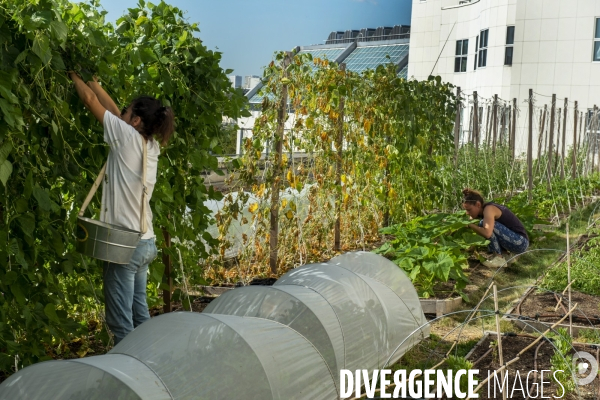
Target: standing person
[
  {"x": 145, "y": 122},
  {"x": 498, "y": 224}
]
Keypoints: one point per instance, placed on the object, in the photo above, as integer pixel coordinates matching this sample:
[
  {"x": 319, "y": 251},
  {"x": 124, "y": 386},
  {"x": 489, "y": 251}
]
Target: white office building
[{"x": 506, "y": 47}]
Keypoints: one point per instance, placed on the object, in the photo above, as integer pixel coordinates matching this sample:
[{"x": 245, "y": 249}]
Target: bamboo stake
[
  {"x": 457, "y": 126},
  {"x": 277, "y": 171},
  {"x": 514, "y": 128},
  {"x": 476, "y": 123},
  {"x": 488, "y": 136},
  {"x": 551, "y": 140},
  {"x": 530, "y": 148},
  {"x": 569, "y": 279},
  {"x": 518, "y": 356},
  {"x": 556, "y": 158},
  {"x": 575, "y": 147},
  {"x": 541, "y": 134},
  {"x": 339, "y": 144},
  {"x": 564, "y": 139},
  {"x": 495, "y": 122},
  {"x": 500, "y": 355},
  {"x": 563, "y": 293}
]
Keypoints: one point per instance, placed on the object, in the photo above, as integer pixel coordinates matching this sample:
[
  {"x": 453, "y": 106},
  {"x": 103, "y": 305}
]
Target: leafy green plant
[
  {"x": 585, "y": 271},
  {"x": 51, "y": 150},
  {"x": 562, "y": 360},
  {"x": 456, "y": 363},
  {"x": 433, "y": 249}
]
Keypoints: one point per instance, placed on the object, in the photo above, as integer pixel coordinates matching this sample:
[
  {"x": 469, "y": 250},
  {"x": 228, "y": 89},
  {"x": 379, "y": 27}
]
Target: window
[
  {"x": 597, "y": 41},
  {"x": 460, "y": 61},
  {"x": 483, "y": 44},
  {"x": 510, "y": 41},
  {"x": 476, "y": 50}
]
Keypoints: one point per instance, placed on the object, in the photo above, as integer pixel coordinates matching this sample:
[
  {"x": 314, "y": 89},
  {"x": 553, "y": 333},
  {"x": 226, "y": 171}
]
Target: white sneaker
[{"x": 496, "y": 262}]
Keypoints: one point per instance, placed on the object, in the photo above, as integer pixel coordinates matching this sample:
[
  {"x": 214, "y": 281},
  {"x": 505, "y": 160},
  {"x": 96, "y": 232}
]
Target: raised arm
[
  {"x": 89, "y": 98},
  {"x": 103, "y": 97}
]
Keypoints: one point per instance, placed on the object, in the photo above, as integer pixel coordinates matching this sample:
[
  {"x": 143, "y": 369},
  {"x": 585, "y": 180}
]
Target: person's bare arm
[
  {"x": 89, "y": 98},
  {"x": 489, "y": 218},
  {"x": 103, "y": 97}
]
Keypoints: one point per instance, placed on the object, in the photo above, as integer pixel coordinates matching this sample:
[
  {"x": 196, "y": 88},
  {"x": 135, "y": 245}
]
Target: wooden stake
[
  {"x": 564, "y": 140},
  {"x": 488, "y": 133},
  {"x": 530, "y": 148},
  {"x": 277, "y": 170},
  {"x": 551, "y": 141},
  {"x": 499, "y": 333},
  {"x": 457, "y": 126},
  {"x": 541, "y": 144},
  {"x": 495, "y": 122},
  {"x": 476, "y": 123},
  {"x": 575, "y": 146},
  {"x": 556, "y": 154},
  {"x": 503, "y": 124},
  {"x": 518, "y": 357},
  {"x": 339, "y": 143},
  {"x": 514, "y": 128},
  {"x": 569, "y": 280}
]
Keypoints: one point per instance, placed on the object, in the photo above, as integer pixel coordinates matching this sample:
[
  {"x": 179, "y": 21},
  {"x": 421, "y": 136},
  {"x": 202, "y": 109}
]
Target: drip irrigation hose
[{"x": 535, "y": 373}]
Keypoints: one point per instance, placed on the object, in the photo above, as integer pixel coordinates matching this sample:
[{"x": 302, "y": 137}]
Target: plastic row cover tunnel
[
  {"x": 288, "y": 341},
  {"x": 357, "y": 309},
  {"x": 187, "y": 355}
]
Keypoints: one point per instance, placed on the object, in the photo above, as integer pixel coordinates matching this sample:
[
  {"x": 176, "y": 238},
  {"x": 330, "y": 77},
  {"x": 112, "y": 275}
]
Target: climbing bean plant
[
  {"x": 51, "y": 150},
  {"x": 394, "y": 134}
]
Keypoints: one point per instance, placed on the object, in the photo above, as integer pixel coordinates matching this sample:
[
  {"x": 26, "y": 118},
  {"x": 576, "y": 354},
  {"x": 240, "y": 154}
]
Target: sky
[{"x": 249, "y": 32}]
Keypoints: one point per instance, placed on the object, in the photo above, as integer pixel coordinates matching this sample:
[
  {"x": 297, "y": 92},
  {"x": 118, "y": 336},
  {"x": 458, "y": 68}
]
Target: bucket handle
[{"x": 88, "y": 199}]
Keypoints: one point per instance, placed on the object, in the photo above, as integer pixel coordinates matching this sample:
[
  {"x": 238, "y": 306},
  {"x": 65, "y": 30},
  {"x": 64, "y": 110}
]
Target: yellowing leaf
[
  {"x": 289, "y": 176},
  {"x": 289, "y": 214},
  {"x": 367, "y": 125},
  {"x": 343, "y": 178},
  {"x": 253, "y": 207},
  {"x": 283, "y": 203}
]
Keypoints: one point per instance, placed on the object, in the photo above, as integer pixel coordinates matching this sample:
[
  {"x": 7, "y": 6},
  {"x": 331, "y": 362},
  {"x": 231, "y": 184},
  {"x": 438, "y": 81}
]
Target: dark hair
[
  {"x": 472, "y": 196},
  {"x": 157, "y": 120}
]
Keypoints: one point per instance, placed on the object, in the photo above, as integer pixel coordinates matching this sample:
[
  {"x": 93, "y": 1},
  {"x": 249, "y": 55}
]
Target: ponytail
[{"x": 158, "y": 121}]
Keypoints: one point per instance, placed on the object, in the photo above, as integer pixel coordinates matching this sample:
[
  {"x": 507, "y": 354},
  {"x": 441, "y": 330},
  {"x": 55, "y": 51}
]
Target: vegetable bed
[{"x": 484, "y": 356}]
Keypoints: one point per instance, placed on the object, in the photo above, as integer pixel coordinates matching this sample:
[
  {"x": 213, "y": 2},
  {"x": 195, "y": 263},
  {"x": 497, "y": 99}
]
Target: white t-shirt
[{"x": 122, "y": 186}]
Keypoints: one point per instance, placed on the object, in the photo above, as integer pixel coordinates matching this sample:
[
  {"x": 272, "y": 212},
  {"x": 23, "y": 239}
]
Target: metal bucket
[{"x": 105, "y": 241}]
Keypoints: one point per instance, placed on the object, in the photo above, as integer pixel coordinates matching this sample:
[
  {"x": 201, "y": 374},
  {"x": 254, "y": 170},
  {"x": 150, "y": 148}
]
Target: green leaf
[
  {"x": 5, "y": 151},
  {"x": 50, "y": 311},
  {"x": 6, "y": 169},
  {"x": 41, "y": 48},
  {"x": 153, "y": 71},
  {"x": 59, "y": 30},
  {"x": 15, "y": 289},
  {"x": 42, "y": 197},
  {"x": 27, "y": 223},
  {"x": 28, "y": 189}
]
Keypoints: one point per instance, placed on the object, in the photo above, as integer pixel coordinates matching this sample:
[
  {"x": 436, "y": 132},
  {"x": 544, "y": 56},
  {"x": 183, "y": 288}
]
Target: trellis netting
[{"x": 288, "y": 341}]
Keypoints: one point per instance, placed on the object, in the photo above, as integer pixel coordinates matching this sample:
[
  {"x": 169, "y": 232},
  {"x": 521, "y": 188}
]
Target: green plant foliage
[
  {"x": 456, "y": 363},
  {"x": 51, "y": 150},
  {"x": 433, "y": 249},
  {"x": 562, "y": 360},
  {"x": 585, "y": 271}
]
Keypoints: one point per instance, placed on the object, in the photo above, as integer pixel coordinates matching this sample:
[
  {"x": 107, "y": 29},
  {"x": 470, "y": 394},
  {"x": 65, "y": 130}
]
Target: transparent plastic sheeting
[
  {"x": 288, "y": 341},
  {"x": 300, "y": 308},
  {"x": 356, "y": 309},
  {"x": 100, "y": 377},
  {"x": 208, "y": 356},
  {"x": 374, "y": 318}
]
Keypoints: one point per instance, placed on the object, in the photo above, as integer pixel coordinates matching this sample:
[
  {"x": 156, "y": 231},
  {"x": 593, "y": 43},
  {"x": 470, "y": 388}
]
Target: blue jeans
[
  {"x": 504, "y": 239},
  {"x": 125, "y": 290}
]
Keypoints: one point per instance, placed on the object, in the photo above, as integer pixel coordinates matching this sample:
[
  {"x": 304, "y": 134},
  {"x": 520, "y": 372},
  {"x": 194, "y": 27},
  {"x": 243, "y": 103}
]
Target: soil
[
  {"x": 541, "y": 306},
  {"x": 511, "y": 346}
]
